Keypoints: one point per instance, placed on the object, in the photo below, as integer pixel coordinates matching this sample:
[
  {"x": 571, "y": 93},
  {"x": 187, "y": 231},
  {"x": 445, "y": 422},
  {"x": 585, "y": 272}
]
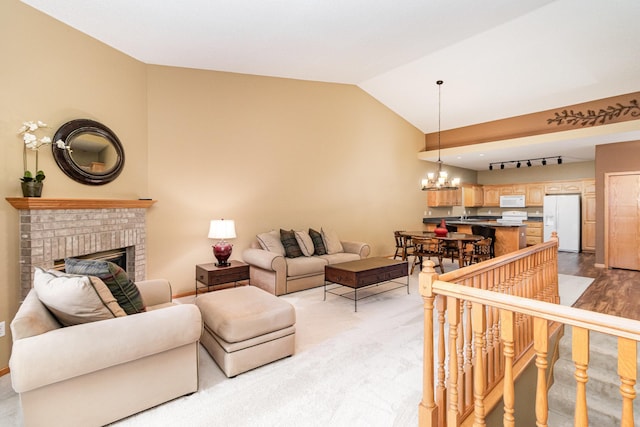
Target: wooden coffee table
[{"x": 363, "y": 274}]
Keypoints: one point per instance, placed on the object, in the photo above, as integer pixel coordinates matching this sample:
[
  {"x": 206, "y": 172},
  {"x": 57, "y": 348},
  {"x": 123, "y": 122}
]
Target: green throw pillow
[
  {"x": 291, "y": 247},
  {"x": 318, "y": 243},
  {"x": 116, "y": 279}
]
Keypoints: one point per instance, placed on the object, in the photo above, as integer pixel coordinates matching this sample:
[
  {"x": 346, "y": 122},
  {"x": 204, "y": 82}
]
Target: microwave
[{"x": 512, "y": 201}]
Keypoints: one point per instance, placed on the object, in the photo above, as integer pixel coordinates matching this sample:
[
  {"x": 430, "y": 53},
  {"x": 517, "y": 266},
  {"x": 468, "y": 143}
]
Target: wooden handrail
[
  {"x": 500, "y": 315},
  {"x": 600, "y": 322}
]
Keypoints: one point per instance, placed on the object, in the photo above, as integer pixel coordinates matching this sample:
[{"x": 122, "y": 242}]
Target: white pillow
[
  {"x": 305, "y": 242},
  {"x": 271, "y": 242},
  {"x": 331, "y": 241},
  {"x": 75, "y": 299}
]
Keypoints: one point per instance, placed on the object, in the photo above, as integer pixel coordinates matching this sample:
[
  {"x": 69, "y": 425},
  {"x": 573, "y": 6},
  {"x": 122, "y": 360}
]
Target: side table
[{"x": 209, "y": 275}]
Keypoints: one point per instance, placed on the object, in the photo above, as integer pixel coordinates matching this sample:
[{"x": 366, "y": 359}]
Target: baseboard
[{"x": 4, "y": 371}]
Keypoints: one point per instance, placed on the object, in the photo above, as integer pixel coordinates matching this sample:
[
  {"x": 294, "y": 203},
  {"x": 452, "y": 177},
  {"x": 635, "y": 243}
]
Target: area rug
[{"x": 350, "y": 369}]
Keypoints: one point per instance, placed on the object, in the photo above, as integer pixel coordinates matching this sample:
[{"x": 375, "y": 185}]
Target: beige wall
[
  {"x": 272, "y": 153},
  {"x": 53, "y": 73},
  {"x": 266, "y": 152}
]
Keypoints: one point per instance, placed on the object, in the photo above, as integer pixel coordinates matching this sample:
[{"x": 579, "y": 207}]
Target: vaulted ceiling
[{"x": 498, "y": 58}]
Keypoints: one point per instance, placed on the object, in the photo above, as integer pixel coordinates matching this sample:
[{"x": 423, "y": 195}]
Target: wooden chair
[
  {"x": 483, "y": 231},
  {"x": 450, "y": 247},
  {"x": 404, "y": 246},
  {"x": 427, "y": 247},
  {"x": 477, "y": 251}
]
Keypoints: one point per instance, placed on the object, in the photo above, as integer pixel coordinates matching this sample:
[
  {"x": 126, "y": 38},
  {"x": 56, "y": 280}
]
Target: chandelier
[{"x": 439, "y": 181}]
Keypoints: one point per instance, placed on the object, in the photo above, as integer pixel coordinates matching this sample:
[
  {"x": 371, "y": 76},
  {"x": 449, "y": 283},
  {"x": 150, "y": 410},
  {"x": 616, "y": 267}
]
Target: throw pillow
[
  {"x": 271, "y": 242},
  {"x": 318, "y": 243},
  {"x": 331, "y": 241},
  {"x": 75, "y": 299},
  {"x": 291, "y": 247},
  {"x": 116, "y": 279},
  {"x": 305, "y": 242}
]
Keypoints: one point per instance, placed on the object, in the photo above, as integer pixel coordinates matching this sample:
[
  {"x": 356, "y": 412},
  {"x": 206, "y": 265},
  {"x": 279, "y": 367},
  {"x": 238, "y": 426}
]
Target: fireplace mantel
[{"x": 28, "y": 203}]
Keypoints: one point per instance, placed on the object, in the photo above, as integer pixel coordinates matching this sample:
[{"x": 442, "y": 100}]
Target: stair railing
[{"x": 493, "y": 335}]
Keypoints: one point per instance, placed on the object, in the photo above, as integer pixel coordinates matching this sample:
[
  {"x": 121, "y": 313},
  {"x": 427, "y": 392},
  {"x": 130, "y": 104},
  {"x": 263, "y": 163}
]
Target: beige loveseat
[
  {"x": 270, "y": 269},
  {"x": 94, "y": 373}
]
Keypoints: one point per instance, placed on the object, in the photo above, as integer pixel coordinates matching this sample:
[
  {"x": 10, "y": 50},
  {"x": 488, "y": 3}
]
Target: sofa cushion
[
  {"x": 304, "y": 266},
  {"x": 122, "y": 288},
  {"x": 75, "y": 299},
  {"x": 331, "y": 241},
  {"x": 32, "y": 318},
  {"x": 271, "y": 242},
  {"x": 291, "y": 247},
  {"x": 318, "y": 243},
  {"x": 305, "y": 242},
  {"x": 340, "y": 257}
]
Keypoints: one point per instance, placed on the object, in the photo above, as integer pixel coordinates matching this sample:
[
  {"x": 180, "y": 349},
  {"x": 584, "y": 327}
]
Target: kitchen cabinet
[
  {"x": 533, "y": 233},
  {"x": 535, "y": 195},
  {"x": 563, "y": 187},
  {"x": 473, "y": 195},
  {"x": 513, "y": 190},
  {"x": 491, "y": 195},
  {"x": 444, "y": 198},
  {"x": 589, "y": 216}
]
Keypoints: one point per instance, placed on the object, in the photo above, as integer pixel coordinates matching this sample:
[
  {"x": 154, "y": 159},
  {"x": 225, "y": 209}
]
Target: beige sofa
[
  {"x": 94, "y": 373},
  {"x": 277, "y": 274}
]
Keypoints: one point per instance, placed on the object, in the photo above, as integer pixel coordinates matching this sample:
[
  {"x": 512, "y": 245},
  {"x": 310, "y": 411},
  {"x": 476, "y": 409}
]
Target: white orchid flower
[
  {"x": 45, "y": 140},
  {"x": 60, "y": 144}
]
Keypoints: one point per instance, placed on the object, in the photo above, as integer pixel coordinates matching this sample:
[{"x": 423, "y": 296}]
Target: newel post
[{"x": 427, "y": 410}]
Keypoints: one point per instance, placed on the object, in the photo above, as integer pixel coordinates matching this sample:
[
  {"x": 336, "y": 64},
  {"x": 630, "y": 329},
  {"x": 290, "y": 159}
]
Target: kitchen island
[{"x": 509, "y": 237}]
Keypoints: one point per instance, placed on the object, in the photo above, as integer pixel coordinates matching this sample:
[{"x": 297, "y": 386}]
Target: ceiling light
[
  {"x": 490, "y": 167},
  {"x": 529, "y": 163},
  {"x": 518, "y": 164},
  {"x": 439, "y": 181},
  {"x": 559, "y": 160},
  {"x": 544, "y": 162},
  {"x": 502, "y": 166}
]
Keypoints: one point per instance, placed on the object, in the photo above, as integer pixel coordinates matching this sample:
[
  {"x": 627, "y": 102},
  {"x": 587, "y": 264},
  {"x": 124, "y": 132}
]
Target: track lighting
[{"x": 529, "y": 162}]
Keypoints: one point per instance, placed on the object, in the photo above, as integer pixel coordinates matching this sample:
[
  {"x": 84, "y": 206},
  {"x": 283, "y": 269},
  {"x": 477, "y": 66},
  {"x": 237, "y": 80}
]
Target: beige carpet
[{"x": 350, "y": 369}]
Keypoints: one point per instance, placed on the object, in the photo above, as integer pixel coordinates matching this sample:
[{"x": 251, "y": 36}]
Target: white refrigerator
[{"x": 562, "y": 215}]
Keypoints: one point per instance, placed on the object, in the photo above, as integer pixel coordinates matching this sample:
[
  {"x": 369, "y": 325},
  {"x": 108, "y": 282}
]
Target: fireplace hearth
[{"x": 51, "y": 232}]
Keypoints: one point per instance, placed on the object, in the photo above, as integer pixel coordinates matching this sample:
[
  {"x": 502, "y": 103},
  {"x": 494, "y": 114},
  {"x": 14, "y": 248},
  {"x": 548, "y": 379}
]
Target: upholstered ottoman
[{"x": 246, "y": 327}]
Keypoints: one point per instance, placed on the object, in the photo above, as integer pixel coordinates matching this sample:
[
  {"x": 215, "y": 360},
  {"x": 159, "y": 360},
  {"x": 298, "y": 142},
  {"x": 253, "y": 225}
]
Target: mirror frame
[{"x": 63, "y": 158}]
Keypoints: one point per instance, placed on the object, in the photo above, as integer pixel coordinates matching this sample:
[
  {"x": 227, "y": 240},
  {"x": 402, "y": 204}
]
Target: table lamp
[{"x": 222, "y": 229}]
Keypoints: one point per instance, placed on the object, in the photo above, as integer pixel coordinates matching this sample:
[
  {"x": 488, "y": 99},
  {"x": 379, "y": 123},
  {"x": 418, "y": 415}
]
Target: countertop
[{"x": 485, "y": 221}]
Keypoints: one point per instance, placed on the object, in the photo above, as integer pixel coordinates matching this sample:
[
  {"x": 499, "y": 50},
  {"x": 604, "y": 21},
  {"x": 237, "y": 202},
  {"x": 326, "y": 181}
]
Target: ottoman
[{"x": 246, "y": 327}]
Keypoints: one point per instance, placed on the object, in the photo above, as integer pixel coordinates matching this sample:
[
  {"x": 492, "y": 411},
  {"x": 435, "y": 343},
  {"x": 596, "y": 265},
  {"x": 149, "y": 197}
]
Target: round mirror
[{"x": 94, "y": 154}]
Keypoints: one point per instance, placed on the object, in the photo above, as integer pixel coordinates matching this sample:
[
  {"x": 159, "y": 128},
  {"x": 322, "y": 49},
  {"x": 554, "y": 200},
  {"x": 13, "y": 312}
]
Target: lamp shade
[{"x": 222, "y": 229}]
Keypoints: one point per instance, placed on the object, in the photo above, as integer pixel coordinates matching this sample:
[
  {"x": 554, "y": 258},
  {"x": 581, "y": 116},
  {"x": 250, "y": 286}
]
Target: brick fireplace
[{"x": 54, "y": 229}]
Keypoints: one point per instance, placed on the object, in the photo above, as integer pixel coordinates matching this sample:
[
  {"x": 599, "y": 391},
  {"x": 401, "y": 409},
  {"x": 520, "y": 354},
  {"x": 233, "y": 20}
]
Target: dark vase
[
  {"x": 32, "y": 189},
  {"x": 441, "y": 230}
]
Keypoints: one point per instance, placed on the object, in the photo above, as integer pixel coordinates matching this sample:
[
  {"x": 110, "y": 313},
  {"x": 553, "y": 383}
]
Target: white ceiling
[{"x": 498, "y": 58}]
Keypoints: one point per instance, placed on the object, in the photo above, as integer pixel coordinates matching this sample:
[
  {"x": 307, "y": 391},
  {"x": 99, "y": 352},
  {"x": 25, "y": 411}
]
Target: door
[{"x": 622, "y": 222}]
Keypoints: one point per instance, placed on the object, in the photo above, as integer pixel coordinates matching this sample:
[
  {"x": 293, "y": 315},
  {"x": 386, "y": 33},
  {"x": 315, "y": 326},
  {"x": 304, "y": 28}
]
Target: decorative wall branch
[{"x": 591, "y": 117}]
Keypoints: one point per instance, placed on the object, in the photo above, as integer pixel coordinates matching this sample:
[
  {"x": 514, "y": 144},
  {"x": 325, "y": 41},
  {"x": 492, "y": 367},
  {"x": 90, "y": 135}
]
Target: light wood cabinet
[
  {"x": 513, "y": 190},
  {"x": 491, "y": 195},
  {"x": 535, "y": 195},
  {"x": 589, "y": 216},
  {"x": 444, "y": 198},
  {"x": 534, "y": 232},
  {"x": 473, "y": 195},
  {"x": 560, "y": 187}
]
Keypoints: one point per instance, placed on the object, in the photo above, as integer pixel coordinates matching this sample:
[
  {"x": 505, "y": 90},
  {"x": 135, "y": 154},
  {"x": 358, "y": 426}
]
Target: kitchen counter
[{"x": 509, "y": 237}]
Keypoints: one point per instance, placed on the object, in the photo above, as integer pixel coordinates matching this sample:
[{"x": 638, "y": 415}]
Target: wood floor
[{"x": 614, "y": 291}]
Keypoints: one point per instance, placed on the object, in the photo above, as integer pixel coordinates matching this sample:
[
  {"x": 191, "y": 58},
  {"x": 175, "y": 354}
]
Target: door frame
[{"x": 607, "y": 177}]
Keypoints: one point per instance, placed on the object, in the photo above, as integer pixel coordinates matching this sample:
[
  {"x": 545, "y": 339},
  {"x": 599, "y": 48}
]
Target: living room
[{"x": 266, "y": 152}]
